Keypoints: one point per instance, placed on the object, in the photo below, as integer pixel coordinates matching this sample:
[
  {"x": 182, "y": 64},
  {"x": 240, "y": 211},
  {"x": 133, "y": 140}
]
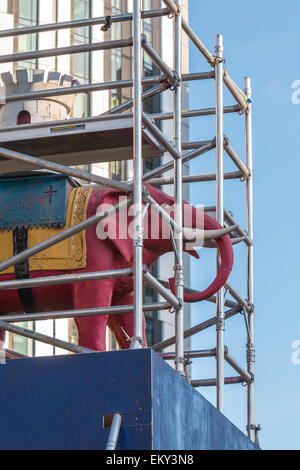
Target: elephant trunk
[{"x": 224, "y": 245}]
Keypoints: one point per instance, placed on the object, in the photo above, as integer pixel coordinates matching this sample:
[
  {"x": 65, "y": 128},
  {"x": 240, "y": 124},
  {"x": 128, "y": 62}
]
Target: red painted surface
[{"x": 107, "y": 255}]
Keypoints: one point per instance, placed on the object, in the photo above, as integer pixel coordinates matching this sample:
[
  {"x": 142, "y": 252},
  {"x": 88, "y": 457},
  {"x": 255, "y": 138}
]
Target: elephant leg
[
  {"x": 119, "y": 324},
  {"x": 92, "y": 330}
]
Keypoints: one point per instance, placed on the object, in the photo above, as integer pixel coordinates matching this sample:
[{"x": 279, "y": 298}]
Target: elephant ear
[{"x": 115, "y": 228}]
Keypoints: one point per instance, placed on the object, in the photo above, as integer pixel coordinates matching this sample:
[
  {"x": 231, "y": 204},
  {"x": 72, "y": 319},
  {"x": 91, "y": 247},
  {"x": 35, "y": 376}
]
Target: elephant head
[{"x": 199, "y": 227}]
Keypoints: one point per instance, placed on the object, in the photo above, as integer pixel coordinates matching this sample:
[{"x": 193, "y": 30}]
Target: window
[
  {"x": 153, "y": 325},
  {"x": 148, "y": 31},
  {"x": 20, "y": 344},
  {"x": 81, "y": 62},
  {"x": 150, "y": 105},
  {"x": 116, "y": 54},
  {"x": 27, "y": 15},
  {"x": 116, "y": 170},
  {"x": 116, "y": 75}
]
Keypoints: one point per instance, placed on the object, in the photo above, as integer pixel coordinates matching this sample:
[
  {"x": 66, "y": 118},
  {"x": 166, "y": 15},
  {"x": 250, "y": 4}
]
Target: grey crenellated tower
[{"x": 37, "y": 110}]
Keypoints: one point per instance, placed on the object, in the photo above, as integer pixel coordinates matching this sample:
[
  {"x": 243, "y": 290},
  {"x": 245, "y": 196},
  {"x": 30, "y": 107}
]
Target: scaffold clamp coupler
[
  {"x": 226, "y": 140},
  {"x": 175, "y": 82},
  {"x": 254, "y": 428},
  {"x": 138, "y": 240},
  {"x": 220, "y": 323},
  {"x": 251, "y": 354},
  {"x": 166, "y": 84},
  {"x": 136, "y": 341},
  {"x": 145, "y": 192},
  {"x": 107, "y": 24},
  {"x": 181, "y": 360}
]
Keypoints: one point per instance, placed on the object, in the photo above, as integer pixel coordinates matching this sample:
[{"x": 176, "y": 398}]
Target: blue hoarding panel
[
  {"x": 199, "y": 426},
  {"x": 60, "y": 403}
]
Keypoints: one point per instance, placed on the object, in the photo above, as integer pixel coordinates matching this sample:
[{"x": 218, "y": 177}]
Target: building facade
[{"x": 95, "y": 67}]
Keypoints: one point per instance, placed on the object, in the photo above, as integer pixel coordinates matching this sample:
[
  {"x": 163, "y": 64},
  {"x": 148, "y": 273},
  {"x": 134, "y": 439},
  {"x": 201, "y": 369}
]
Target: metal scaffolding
[{"x": 181, "y": 152}]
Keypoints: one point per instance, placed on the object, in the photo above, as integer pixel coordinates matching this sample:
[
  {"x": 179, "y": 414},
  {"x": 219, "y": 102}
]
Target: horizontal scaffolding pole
[
  {"x": 190, "y": 354},
  {"x": 65, "y": 279},
  {"x": 80, "y": 23},
  {"x": 213, "y": 382},
  {"x": 195, "y": 113},
  {"x": 89, "y": 312},
  {"x": 78, "y": 49},
  {"x": 196, "y": 329},
  {"x": 212, "y": 353},
  {"x": 61, "y": 236},
  {"x": 17, "y": 330},
  {"x": 195, "y": 144},
  {"x": 195, "y": 178},
  {"x": 197, "y": 76},
  {"x": 88, "y": 88},
  {"x": 93, "y": 87},
  {"x": 65, "y": 170}
]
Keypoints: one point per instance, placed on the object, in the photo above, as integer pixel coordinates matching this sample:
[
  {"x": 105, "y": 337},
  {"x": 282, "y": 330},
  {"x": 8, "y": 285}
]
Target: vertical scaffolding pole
[
  {"x": 250, "y": 288},
  {"x": 220, "y": 215},
  {"x": 179, "y": 278},
  {"x": 138, "y": 174}
]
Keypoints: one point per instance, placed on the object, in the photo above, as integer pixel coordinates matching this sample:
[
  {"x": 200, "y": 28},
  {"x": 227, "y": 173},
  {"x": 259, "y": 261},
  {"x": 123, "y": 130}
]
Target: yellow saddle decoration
[{"x": 67, "y": 255}]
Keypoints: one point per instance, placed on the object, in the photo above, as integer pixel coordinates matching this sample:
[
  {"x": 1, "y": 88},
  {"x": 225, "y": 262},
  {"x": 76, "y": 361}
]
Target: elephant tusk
[
  {"x": 213, "y": 243},
  {"x": 192, "y": 235},
  {"x": 237, "y": 241}
]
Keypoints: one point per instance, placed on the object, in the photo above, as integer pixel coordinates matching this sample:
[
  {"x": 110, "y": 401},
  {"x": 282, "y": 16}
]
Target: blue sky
[{"x": 263, "y": 43}]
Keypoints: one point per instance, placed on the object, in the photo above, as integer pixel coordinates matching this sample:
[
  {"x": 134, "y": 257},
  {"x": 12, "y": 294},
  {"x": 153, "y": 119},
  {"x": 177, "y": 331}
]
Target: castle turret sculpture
[{"x": 35, "y": 110}]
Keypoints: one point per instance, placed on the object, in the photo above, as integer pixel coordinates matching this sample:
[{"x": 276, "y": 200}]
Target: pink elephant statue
[{"x": 116, "y": 252}]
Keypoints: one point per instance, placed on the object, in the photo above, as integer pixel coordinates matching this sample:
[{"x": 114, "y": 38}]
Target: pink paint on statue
[{"x": 110, "y": 254}]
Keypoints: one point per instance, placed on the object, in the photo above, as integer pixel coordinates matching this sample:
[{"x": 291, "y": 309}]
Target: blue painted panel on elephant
[
  {"x": 60, "y": 402},
  {"x": 33, "y": 201}
]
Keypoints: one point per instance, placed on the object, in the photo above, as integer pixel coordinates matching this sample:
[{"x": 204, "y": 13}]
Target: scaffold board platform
[{"x": 79, "y": 143}]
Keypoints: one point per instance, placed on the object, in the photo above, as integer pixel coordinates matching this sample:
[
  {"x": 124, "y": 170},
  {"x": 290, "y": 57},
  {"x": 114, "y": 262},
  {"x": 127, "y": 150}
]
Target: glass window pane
[
  {"x": 28, "y": 9},
  {"x": 20, "y": 343},
  {"x": 81, "y": 62}
]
